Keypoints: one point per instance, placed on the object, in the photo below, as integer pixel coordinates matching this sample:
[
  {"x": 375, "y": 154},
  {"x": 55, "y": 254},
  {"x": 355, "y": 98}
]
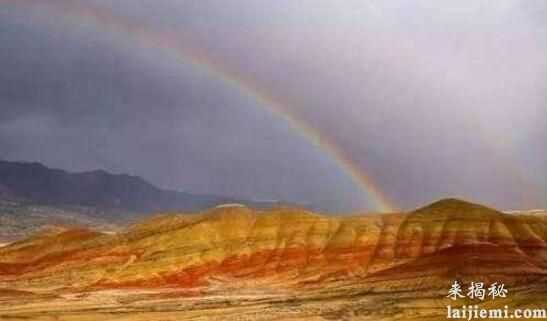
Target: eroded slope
[{"x": 235, "y": 246}]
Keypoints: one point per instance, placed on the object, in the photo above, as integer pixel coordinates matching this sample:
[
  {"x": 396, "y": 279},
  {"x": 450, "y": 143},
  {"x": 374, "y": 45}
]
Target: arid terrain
[{"x": 236, "y": 263}]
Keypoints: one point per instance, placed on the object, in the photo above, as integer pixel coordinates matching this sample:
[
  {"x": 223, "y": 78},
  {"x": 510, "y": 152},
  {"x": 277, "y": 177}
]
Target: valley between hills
[{"x": 238, "y": 263}]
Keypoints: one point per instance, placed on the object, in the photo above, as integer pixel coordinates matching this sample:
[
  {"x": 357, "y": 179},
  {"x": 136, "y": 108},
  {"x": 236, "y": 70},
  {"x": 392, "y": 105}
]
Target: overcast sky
[{"x": 428, "y": 99}]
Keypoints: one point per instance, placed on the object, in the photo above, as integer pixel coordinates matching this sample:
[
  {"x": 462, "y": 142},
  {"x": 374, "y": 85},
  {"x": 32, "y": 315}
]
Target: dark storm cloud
[
  {"x": 77, "y": 101},
  {"x": 429, "y": 100}
]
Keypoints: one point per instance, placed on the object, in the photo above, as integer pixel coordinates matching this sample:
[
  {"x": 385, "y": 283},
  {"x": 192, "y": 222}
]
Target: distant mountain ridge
[{"x": 37, "y": 183}]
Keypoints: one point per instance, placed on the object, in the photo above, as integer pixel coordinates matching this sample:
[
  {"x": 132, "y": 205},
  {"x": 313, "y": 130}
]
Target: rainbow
[{"x": 171, "y": 44}]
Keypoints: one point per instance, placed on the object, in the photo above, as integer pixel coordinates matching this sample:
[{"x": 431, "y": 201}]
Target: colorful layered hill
[{"x": 238, "y": 247}]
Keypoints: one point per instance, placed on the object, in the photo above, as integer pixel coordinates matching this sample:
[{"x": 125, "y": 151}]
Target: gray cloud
[{"x": 429, "y": 100}]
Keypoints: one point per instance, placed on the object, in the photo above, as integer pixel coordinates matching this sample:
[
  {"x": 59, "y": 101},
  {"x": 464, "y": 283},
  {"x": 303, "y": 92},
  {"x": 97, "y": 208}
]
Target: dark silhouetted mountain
[{"x": 37, "y": 183}]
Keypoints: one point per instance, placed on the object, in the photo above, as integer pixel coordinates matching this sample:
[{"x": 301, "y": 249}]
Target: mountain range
[
  {"x": 33, "y": 196},
  {"x": 99, "y": 189}
]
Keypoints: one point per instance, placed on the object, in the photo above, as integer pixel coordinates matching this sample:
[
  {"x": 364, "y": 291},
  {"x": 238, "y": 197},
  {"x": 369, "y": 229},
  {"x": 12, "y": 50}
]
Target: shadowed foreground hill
[{"x": 289, "y": 262}]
